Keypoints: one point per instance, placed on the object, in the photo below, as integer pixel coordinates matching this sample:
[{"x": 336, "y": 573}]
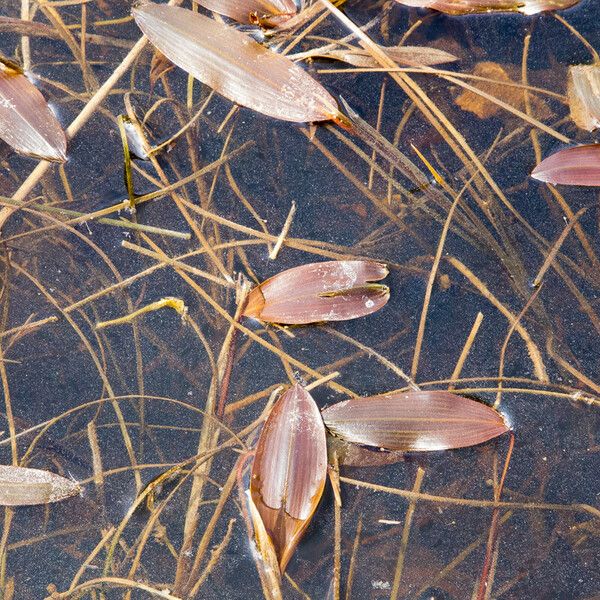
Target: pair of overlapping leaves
[{"x": 290, "y": 465}]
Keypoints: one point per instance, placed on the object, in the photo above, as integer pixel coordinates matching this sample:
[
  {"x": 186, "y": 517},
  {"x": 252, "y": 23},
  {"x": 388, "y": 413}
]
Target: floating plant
[
  {"x": 335, "y": 290},
  {"x": 26, "y": 121}
]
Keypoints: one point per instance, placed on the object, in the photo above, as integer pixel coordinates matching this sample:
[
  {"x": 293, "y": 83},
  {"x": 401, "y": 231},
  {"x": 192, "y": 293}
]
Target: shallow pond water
[{"x": 534, "y": 350}]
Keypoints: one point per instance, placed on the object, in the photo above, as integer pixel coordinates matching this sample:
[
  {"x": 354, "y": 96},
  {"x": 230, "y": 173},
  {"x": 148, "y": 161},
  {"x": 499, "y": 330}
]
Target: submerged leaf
[
  {"x": 20, "y": 486},
  {"x": 462, "y": 7},
  {"x": 354, "y": 455},
  {"x": 403, "y": 55},
  {"x": 584, "y": 96},
  {"x": 334, "y": 290},
  {"x": 573, "y": 166},
  {"x": 235, "y": 65},
  {"x": 499, "y": 88},
  {"x": 26, "y": 121},
  {"x": 289, "y": 470},
  {"x": 414, "y": 421},
  {"x": 267, "y": 13}
]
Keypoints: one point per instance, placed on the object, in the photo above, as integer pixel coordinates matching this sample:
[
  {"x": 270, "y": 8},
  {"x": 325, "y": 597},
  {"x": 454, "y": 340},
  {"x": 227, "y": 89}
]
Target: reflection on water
[{"x": 134, "y": 393}]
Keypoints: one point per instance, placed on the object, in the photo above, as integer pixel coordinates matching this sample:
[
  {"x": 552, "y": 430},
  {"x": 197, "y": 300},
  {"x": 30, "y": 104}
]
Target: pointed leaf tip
[
  {"x": 325, "y": 291},
  {"x": 579, "y": 165},
  {"x": 414, "y": 421},
  {"x": 234, "y": 64},
  {"x": 20, "y": 486},
  {"x": 289, "y": 470},
  {"x": 26, "y": 122}
]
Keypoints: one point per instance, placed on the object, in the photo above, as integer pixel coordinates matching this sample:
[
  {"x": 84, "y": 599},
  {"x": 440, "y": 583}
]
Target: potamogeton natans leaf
[
  {"x": 579, "y": 165},
  {"x": 289, "y": 470},
  {"x": 266, "y": 13},
  {"x": 26, "y": 122},
  {"x": 414, "y": 421},
  {"x": 584, "y": 95},
  {"x": 334, "y": 290},
  {"x": 235, "y": 65},
  {"x": 20, "y": 486},
  {"x": 462, "y": 7}
]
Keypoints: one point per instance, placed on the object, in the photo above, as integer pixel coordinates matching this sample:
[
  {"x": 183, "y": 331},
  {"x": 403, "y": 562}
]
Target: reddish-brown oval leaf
[
  {"x": 414, "y": 421},
  {"x": 584, "y": 96},
  {"x": 289, "y": 470},
  {"x": 334, "y": 290},
  {"x": 20, "y": 486},
  {"x": 461, "y": 7},
  {"x": 573, "y": 166},
  {"x": 26, "y": 121},
  {"x": 268, "y": 13},
  {"x": 235, "y": 65}
]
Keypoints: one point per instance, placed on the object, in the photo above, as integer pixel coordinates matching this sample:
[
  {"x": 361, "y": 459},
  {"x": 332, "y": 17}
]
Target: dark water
[{"x": 545, "y": 552}]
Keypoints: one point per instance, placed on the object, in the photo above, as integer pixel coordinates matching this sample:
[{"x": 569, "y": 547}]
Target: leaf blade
[
  {"x": 21, "y": 486},
  {"x": 414, "y": 421},
  {"x": 584, "y": 96},
  {"x": 235, "y": 65},
  {"x": 324, "y": 291},
  {"x": 289, "y": 470},
  {"x": 403, "y": 55},
  {"x": 579, "y": 165},
  {"x": 26, "y": 122},
  {"x": 463, "y": 7}
]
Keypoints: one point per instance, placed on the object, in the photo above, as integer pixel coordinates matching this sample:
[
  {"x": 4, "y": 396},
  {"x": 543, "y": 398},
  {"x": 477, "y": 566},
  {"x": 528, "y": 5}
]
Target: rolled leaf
[
  {"x": 267, "y": 13},
  {"x": 462, "y": 7},
  {"x": 334, "y": 290},
  {"x": 20, "y": 486},
  {"x": 289, "y": 470},
  {"x": 26, "y": 122},
  {"x": 262, "y": 539},
  {"x": 573, "y": 166},
  {"x": 414, "y": 421},
  {"x": 584, "y": 96},
  {"x": 234, "y": 64},
  {"x": 403, "y": 55}
]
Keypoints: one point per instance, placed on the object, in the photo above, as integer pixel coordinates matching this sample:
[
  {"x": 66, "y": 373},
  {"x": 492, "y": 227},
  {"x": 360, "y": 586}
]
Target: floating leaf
[
  {"x": 20, "y": 486},
  {"x": 334, "y": 290},
  {"x": 573, "y": 166},
  {"x": 461, "y": 7},
  {"x": 235, "y": 65},
  {"x": 403, "y": 55},
  {"x": 289, "y": 470},
  {"x": 414, "y": 421},
  {"x": 26, "y": 122},
  {"x": 484, "y": 108},
  {"x": 584, "y": 96},
  {"x": 266, "y": 13}
]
